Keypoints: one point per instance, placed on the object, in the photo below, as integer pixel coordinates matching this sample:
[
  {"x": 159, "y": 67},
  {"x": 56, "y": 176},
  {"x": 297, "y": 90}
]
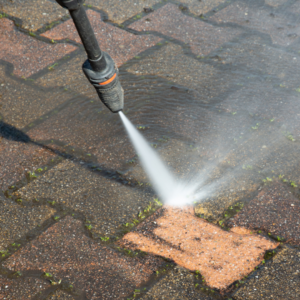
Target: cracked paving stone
[
  {"x": 222, "y": 257},
  {"x": 21, "y": 288},
  {"x": 207, "y": 82},
  {"x": 22, "y": 103},
  {"x": 106, "y": 203},
  {"x": 121, "y": 45},
  {"x": 16, "y": 221},
  {"x": 25, "y": 53},
  {"x": 169, "y": 21},
  {"x": 178, "y": 284},
  {"x": 275, "y": 210},
  {"x": 66, "y": 252},
  {"x": 60, "y": 295},
  {"x": 279, "y": 279},
  {"x": 282, "y": 29},
  {"x": 34, "y": 13},
  {"x": 119, "y": 11}
]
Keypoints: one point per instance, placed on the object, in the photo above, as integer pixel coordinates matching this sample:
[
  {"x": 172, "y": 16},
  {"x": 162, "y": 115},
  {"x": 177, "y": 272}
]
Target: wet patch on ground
[{"x": 67, "y": 253}]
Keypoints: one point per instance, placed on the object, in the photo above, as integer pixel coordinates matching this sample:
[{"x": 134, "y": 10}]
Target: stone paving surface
[
  {"x": 16, "y": 221},
  {"x": 213, "y": 85},
  {"x": 279, "y": 279},
  {"x": 169, "y": 21},
  {"x": 121, "y": 45},
  {"x": 34, "y": 14},
  {"x": 28, "y": 55},
  {"x": 66, "y": 252},
  {"x": 21, "y": 288},
  {"x": 275, "y": 210}
]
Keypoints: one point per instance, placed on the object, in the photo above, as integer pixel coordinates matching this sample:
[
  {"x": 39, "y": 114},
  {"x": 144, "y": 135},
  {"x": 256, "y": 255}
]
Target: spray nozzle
[{"x": 106, "y": 83}]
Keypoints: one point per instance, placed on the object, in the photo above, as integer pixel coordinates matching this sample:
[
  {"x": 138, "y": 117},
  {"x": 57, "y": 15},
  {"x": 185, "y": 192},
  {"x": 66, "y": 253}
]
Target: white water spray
[{"x": 170, "y": 189}]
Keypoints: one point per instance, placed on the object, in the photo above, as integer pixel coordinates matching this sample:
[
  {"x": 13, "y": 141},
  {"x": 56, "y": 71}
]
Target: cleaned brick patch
[
  {"x": 282, "y": 30},
  {"x": 120, "y": 44},
  {"x": 34, "y": 13},
  {"x": 275, "y": 210},
  {"x": 66, "y": 252},
  {"x": 27, "y": 54},
  {"x": 21, "y": 288},
  {"x": 222, "y": 257},
  {"x": 169, "y": 21}
]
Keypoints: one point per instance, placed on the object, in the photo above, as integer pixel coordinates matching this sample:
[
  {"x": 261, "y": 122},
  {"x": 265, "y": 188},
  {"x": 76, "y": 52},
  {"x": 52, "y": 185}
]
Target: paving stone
[
  {"x": 221, "y": 257},
  {"x": 21, "y": 288},
  {"x": 119, "y": 12},
  {"x": 121, "y": 45},
  {"x": 279, "y": 279},
  {"x": 275, "y": 210},
  {"x": 169, "y": 62},
  {"x": 16, "y": 221},
  {"x": 105, "y": 203},
  {"x": 275, "y": 3},
  {"x": 169, "y": 21},
  {"x": 27, "y": 54},
  {"x": 177, "y": 284},
  {"x": 34, "y": 14},
  {"x": 202, "y": 7},
  {"x": 18, "y": 156},
  {"x": 60, "y": 295},
  {"x": 282, "y": 30},
  {"x": 22, "y": 103},
  {"x": 66, "y": 252}
]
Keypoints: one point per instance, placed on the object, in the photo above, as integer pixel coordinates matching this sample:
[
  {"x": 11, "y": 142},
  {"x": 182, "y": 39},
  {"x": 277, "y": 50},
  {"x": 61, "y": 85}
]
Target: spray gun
[{"x": 99, "y": 68}]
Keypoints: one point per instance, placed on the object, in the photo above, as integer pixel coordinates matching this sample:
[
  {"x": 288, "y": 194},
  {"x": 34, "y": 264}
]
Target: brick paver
[
  {"x": 282, "y": 30},
  {"x": 34, "y": 14},
  {"x": 169, "y": 21},
  {"x": 18, "y": 158},
  {"x": 120, "y": 11},
  {"x": 22, "y": 103},
  {"x": 221, "y": 257},
  {"x": 16, "y": 221},
  {"x": 21, "y": 288},
  {"x": 279, "y": 279},
  {"x": 105, "y": 203},
  {"x": 201, "y": 7},
  {"x": 275, "y": 210},
  {"x": 121, "y": 45},
  {"x": 27, "y": 55},
  {"x": 66, "y": 252}
]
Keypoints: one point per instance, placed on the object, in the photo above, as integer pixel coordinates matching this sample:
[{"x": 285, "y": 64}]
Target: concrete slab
[
  {"x": 16, "y": 220},
  {"x": 279, "y": 279},
  {"x": 202, "y": 7},
  {"x": 221, "y": 257},
  {"x": 67, "y": 253},
  {"x": 169, "y": 21}
]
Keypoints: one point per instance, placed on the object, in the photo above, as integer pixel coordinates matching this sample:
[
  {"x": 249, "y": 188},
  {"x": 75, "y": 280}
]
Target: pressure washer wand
[{"x": 99, "y": 68}]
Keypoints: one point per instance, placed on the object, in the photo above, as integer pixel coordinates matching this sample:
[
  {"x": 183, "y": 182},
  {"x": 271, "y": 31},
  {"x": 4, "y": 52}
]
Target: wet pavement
[{"x": 214, "y": 87}]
